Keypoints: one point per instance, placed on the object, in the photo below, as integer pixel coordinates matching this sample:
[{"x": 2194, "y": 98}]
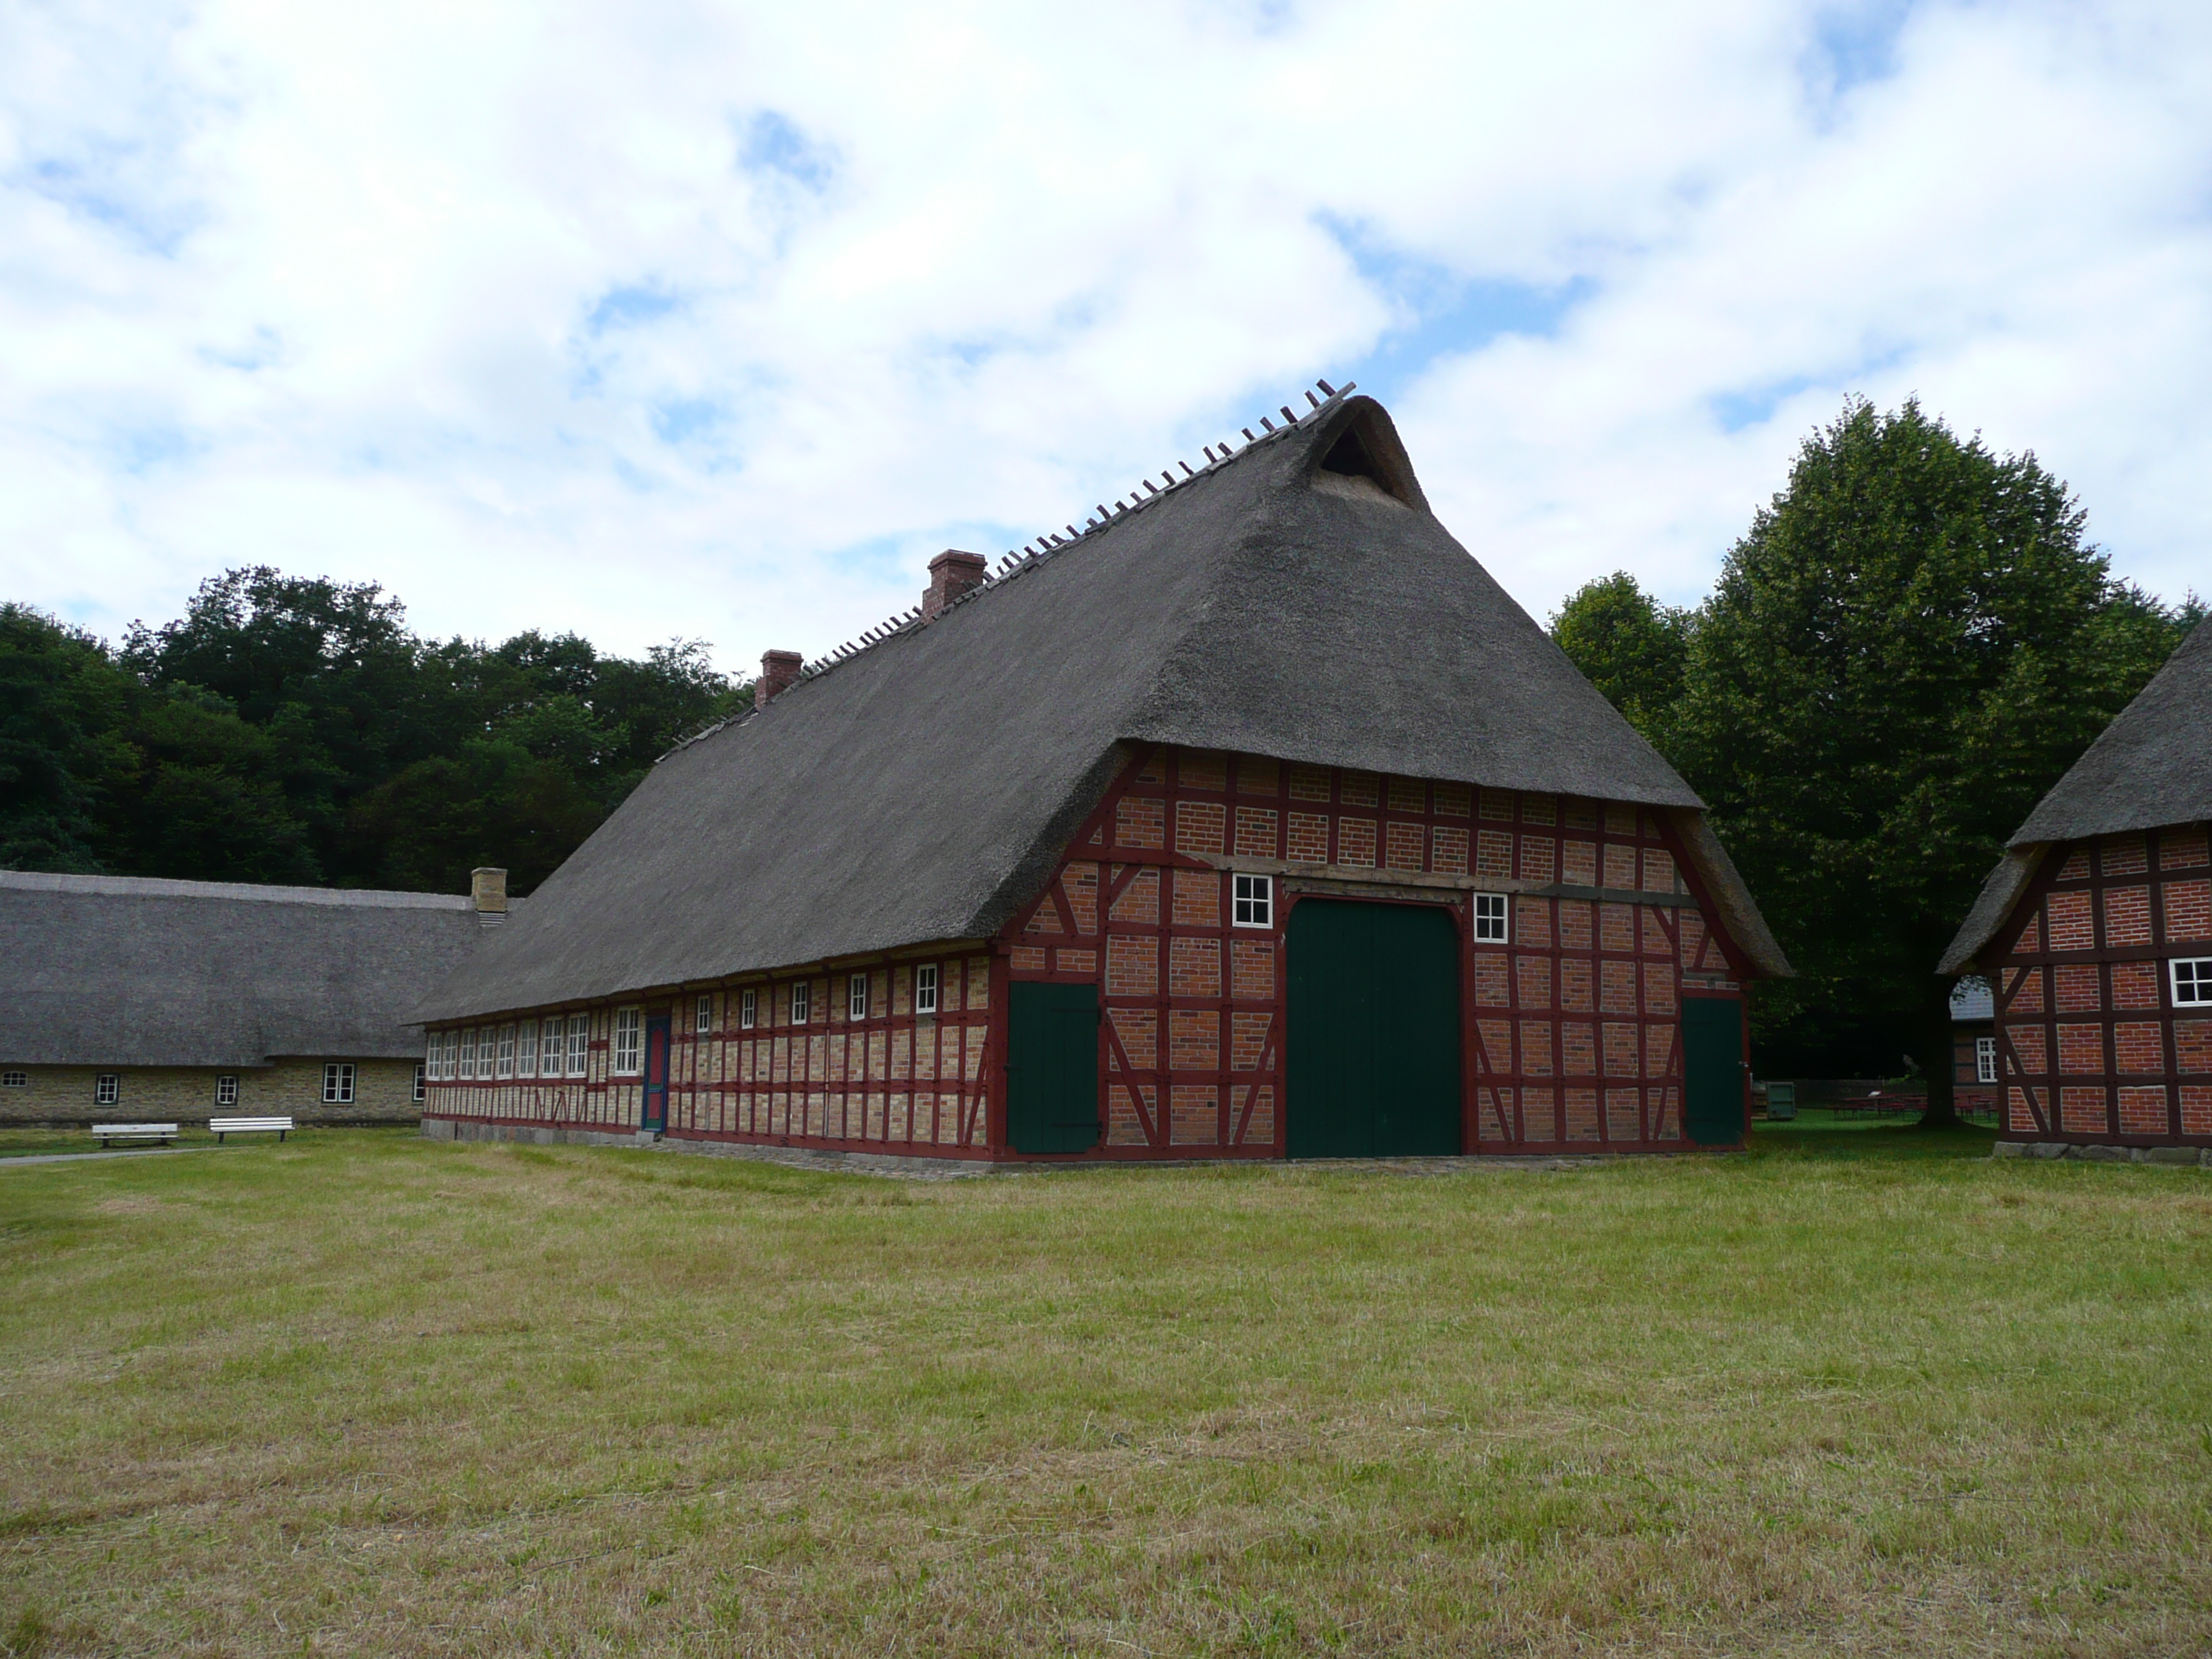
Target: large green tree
[
  {"x": 1911, "y": 644},
  {"x": 1630, "y": 646}
]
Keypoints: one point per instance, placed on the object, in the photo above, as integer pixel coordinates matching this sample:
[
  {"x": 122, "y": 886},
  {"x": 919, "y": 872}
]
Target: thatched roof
[
  {"x": 1296, "y": 600},
  {"x": 115, "y": 970},
  {"x": 2150, "y": 767}
]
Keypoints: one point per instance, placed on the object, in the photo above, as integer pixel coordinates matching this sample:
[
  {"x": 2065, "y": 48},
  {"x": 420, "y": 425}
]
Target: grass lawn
[{"x": 1864, "y": 1393}]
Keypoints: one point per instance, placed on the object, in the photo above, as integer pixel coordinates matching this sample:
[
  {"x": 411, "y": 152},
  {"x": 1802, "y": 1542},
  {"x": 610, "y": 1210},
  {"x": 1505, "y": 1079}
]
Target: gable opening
[
  {"x": 1364, "y": 460},
  {"x": 1348, "y": 457}
]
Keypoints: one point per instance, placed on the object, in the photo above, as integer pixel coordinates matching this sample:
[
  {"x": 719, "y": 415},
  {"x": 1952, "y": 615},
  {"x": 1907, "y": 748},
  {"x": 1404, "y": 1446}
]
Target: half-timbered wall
[
  {"x": 891, "y": 1080},
  {"x": 1572, "y": 1032},
  {"x": 2092, "y": 1046},
  {"x": 597, "y": 1101}
]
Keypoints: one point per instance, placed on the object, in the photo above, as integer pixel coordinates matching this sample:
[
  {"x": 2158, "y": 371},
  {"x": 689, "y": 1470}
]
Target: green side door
[
  {"x": 1052, "y": 1068},
  {"x": 1712, "y": 1068},
  {"x": 1374, "y": 1041}
]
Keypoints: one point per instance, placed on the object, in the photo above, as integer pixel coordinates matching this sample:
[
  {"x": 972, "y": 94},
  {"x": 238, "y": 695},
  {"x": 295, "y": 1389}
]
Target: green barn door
[
  {"x": 1052, "y": 1068},
  {"x": 1712, "y": 1067},
  {"x": 1374, "y": 1038}
]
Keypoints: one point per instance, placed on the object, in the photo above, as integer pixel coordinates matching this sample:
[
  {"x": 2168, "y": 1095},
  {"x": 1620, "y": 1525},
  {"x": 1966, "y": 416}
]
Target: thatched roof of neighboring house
[
  {"x": 2151, "y": 767},
  {"x": 1298, "y": 600},
  {"x": 117, "y": 970}
]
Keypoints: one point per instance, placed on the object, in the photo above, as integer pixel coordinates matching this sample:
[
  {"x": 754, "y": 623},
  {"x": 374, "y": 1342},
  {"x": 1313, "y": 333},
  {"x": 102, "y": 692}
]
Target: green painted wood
[
  {"x": 654, "y": 1115},
  {"x": 1374, "y": 1045},
  {"x": 1712, "y": 1067},
  {"x": 1052, "y": 1068}
]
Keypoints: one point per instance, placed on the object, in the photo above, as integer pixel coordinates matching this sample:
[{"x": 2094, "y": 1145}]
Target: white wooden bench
[
  {"x": 164, "y": 1133},
  {"x": 219, "y": 1127}
]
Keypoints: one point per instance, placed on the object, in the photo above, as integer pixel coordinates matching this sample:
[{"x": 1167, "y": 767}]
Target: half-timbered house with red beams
[
  {"x": 2095, "y": 933},
  {"x": 1252, "y": 820}
]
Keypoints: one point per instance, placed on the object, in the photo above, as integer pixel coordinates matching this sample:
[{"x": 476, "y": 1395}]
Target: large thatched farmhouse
[
  {"x": 2095, "y": 930},
  {"x": 127, "y": 998},
  {"x": 1253, "y": 820}
]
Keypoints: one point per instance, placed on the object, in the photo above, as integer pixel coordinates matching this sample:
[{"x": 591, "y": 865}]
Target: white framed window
[
  {"x": 452, "y": 1068},
  {"x": 1252, "y": 901},
  {"x": 506, "y": 1063},
  {"x": 856, "y": 997},
  {"x": 802, "y": 1002},
  {"x": 107, "y": 1089},
  {"x": 15, "y": 1079},
  {"x": 525, "y": 1048},
  {"x": 630, "y": 1041},
  {"x": 1985, "y": 1059},
  {"x": 748, "y": 1009},
  {"x": 2192, "y": 981},
  {"x": 580, "y": 1044},
  {"x": 226, "y": 1088},
  {"x": 703, "y": 1020},
  {"x": 1490, "y": 918},
  {"x": 422, "y": 1086},
  {"x": 468, "y": 1055},
  {"x": 338, "y": 1084},
  {"x": 924, "y": 989}
]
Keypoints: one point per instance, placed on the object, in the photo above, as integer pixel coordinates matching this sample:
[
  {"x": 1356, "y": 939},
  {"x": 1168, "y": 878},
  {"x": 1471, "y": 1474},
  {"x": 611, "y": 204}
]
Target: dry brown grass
[{"x": 367, "y": 1395}]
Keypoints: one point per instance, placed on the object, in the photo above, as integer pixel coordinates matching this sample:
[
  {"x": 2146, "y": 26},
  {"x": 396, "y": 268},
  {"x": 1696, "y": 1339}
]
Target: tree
[
  {"x": 1908, "y": 647},
  {"x": 63, "y": 761},
  {"x": 1630, "y": 647}
]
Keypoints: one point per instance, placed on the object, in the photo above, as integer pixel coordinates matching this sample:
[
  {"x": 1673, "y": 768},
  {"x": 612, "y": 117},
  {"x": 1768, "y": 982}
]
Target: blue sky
[{"x": 720, "y": 321}]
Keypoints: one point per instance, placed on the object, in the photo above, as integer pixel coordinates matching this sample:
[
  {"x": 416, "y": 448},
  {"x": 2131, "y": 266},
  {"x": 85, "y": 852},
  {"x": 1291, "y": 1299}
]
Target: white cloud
[{"x": 673, "y": 318}]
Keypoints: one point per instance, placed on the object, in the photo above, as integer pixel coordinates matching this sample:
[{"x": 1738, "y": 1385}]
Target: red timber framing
[
  {"x": 2092, "y": 1049},
  {"x": 1572, "y": 1027},
  {"x": 776, "y": 1059},
  {"x": 1571, "y": 1032}
]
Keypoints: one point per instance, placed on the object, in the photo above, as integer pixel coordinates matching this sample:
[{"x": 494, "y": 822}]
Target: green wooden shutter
[
  {"x": 1712, "y": 1067},
  {"x": 1052, "y": 1068},
  {"x": 1374, "y": 1043}
]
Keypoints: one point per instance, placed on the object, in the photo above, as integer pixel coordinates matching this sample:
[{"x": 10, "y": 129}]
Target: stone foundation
[
  {"x": 2197, "y": 1156},
  {"x": 530, "y": 1134}
]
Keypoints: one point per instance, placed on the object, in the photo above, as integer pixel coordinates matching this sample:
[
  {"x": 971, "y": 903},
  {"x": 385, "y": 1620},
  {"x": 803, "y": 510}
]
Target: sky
[{"x": 718, "y": 321}]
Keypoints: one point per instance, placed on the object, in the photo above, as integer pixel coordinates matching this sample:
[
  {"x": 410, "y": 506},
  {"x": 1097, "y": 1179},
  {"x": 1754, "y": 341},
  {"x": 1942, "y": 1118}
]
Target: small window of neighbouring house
[
  {"x": 469, "y": 1055},
  {"x": 107, "y": 1089},
  {"x": 856, "y": 997},
  {"x": 338, "y": 1084},
  {"x": 630, "y": 1041},
  {"x": 580, "y": 1044},
  {"x": 1490, "y": 918},
  {"x": 15, "y": 1079},
  {"x": 421, "y": 1088},
  {"x": 703, "y": 1019},
  {"x": 802, "y": 1002},
  {"x": 506, "y": 1051},
  {"x": 1252, "y": 902},
  {"x": 924, "y": 989},
  {"x": 225, "y": 1090},
  {"x": 1985, "y": 1059},
  {"x": 2192, "y": 983},
  {"x": 748, "y": 1009}
]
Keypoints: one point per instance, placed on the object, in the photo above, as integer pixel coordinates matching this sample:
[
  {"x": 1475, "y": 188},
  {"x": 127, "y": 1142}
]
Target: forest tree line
[{"x": 293, "y": 729}]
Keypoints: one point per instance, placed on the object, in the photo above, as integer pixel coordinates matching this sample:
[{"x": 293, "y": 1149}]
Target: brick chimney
[
  {"x": 951, "y": 573},
  {"x": 778, "y": 673},
  {"x": 488, "y": 887}
]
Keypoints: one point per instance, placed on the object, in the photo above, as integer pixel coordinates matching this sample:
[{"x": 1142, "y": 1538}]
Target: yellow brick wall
[{"x": 384, "y": 1092}]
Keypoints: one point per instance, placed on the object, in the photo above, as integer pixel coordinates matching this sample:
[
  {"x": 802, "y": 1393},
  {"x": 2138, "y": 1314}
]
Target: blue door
[{"x": 655, "y": 1118}]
